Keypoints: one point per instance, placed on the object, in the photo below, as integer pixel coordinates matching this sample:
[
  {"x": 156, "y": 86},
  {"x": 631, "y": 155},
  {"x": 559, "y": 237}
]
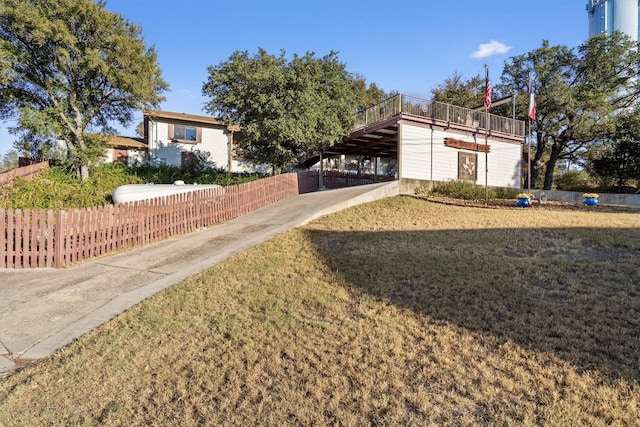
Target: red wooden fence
[
  {"x": 33, "y": 238},
  {"x": 27, "y": 172}
]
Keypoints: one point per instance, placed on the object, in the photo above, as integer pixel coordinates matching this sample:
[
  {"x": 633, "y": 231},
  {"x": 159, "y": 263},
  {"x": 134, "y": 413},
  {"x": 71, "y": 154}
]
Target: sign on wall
[
  {"x": 466, "y": 145},
  {"x": 467, "y": 166}
]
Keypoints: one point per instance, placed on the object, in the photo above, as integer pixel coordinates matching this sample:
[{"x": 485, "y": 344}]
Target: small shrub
[
  {"x": 423, "y": 191},
  {"x": 462, "y": 190},
  {"x": 506, "y": 193}
]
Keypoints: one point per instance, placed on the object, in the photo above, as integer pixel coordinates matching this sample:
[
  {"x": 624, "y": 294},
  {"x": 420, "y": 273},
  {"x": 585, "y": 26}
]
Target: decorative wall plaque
[{"x": 467, "y": 166}]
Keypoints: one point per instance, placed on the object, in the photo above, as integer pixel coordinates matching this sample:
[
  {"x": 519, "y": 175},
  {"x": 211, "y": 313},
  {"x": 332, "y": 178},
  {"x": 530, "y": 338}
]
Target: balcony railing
[{"x": 439, "y": 111}]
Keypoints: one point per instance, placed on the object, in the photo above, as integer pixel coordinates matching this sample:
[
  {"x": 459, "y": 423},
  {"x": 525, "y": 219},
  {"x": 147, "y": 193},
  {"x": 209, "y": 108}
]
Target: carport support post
[
  {"x": 375, "y": 170},
  {"x": 321, "y": 177}
]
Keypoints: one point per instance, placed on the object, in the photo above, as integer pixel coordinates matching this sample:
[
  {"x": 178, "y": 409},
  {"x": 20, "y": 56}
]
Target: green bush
[
  {"x": 459, "y": 190},
  {"x": 166, "y": 174},
  {"x": 59, "y": 187},
  {"x": 506, "y": 193}
]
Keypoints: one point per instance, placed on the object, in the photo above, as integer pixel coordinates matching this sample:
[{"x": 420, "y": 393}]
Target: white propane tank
[{"x": 136, "y": 192}]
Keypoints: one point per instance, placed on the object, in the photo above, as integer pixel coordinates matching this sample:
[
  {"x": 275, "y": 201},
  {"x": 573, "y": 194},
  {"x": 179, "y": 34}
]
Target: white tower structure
[{"x": 606, "y": 16}]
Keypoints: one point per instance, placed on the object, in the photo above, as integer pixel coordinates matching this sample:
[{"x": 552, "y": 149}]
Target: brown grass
[{"x": 398, "y": 312}]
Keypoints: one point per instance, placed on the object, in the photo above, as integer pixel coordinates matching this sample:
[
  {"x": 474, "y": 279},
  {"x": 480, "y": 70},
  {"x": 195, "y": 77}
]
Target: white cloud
[
  {"x": 187, "y": 93},
  {"x": 490, "y": 49}
]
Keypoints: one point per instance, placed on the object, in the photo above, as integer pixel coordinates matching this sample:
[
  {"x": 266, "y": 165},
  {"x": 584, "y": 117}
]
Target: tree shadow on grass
[{"x": 554, "y": 290}]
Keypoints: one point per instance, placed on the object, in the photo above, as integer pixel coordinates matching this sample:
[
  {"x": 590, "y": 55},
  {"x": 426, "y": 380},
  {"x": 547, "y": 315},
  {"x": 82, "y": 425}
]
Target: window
[{"x": 184, "y": 133}]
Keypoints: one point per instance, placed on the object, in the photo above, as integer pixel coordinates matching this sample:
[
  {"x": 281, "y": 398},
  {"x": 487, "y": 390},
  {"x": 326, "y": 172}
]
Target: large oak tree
[
  {"x": 287, "y": 109},
  {"x": 580, "y": 94},
  {"x": 69, "y": 68}
]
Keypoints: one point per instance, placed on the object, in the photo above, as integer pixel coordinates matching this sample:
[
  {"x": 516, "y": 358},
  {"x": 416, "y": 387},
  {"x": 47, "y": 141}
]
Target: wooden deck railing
[
  {"x": 32, "y": 238},
  {"x": 439, "y": 111}
]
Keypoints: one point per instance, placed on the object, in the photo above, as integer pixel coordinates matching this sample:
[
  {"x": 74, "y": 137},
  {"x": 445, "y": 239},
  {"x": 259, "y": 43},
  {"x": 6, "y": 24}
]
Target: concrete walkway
[{"x": 42, "y": 310}]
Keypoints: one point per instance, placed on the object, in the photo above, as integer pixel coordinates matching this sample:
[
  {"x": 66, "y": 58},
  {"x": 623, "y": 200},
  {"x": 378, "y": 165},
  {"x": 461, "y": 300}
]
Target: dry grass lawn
[{"x": 399, "y": 312}]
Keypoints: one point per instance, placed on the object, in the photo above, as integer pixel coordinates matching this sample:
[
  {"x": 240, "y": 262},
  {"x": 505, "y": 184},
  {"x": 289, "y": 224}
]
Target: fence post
[
  {"x": 48, "y": 238},
  {"x": 58, "y": 239},
  {"x": 4, "y": 244}
]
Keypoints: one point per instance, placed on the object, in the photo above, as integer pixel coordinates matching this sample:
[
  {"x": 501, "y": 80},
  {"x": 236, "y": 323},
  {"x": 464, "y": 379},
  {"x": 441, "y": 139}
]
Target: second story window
[
  {"x": 184, "y": 133},
  {"x": 187, "y": 133}
]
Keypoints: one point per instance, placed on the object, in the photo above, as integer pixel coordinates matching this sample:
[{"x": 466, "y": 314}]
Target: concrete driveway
[{"x": 42, "y": 310}]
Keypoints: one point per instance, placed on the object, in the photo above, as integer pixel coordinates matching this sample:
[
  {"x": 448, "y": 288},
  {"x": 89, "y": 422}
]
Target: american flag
[{"x": 487, "y": 94}]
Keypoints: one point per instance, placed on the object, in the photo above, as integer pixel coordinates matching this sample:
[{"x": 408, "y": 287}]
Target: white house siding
[
  {"x": 108, "y": 156},
  {"x": 505, "y": 164},
  {"x": 137, "y": 157},
  {"x": 420, "y": 145},
  {"x": 214, "y": 141}
]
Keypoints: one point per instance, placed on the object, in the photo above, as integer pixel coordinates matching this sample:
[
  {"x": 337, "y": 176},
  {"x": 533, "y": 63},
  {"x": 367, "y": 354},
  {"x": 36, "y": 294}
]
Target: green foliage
[
  {"x": 504, "y": 192},
  {"x": 287, "y": 109},
  {"x": 140, "y": 130},
  {"x": 69, "y": 66},
  {"x": 464, "y": 190},
  {"x": 9, "y": 161},
  {"x": 457, "y": 92},
  {"x": 37, "y": 147},
  {"x": 109, "y": 176},
  {"x": 166, "y": 174},
  {"x": 196, "y": 171},
  {"x": 573, "y": 180},
  {"x": 367, "y": 96},
  {"x": 577, "y": 92},
  {"x": 619, "y": 160},
  {"x": 59, "y": 187}
]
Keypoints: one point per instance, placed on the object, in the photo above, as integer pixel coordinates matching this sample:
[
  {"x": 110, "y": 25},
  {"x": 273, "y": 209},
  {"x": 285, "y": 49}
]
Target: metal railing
[{"x": 440, "y": 111}]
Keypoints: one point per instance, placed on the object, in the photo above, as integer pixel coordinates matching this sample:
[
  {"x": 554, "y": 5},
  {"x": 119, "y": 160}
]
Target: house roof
[
  {"x": 191, "y": 118},
  {"x": 126, "y": 142}
]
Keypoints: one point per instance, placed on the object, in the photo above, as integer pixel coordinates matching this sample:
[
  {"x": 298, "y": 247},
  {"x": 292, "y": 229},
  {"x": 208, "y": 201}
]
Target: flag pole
[
  {"x": 531, "y": 110},
  {"x": 529, "y": 143},
  {"x": 529, "y": 159},
  {"x": 487, "y": 104}
]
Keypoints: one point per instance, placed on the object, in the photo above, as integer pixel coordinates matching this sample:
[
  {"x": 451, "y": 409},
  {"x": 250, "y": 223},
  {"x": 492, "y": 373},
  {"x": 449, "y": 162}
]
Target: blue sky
[{"x": 406, "y": 45}]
